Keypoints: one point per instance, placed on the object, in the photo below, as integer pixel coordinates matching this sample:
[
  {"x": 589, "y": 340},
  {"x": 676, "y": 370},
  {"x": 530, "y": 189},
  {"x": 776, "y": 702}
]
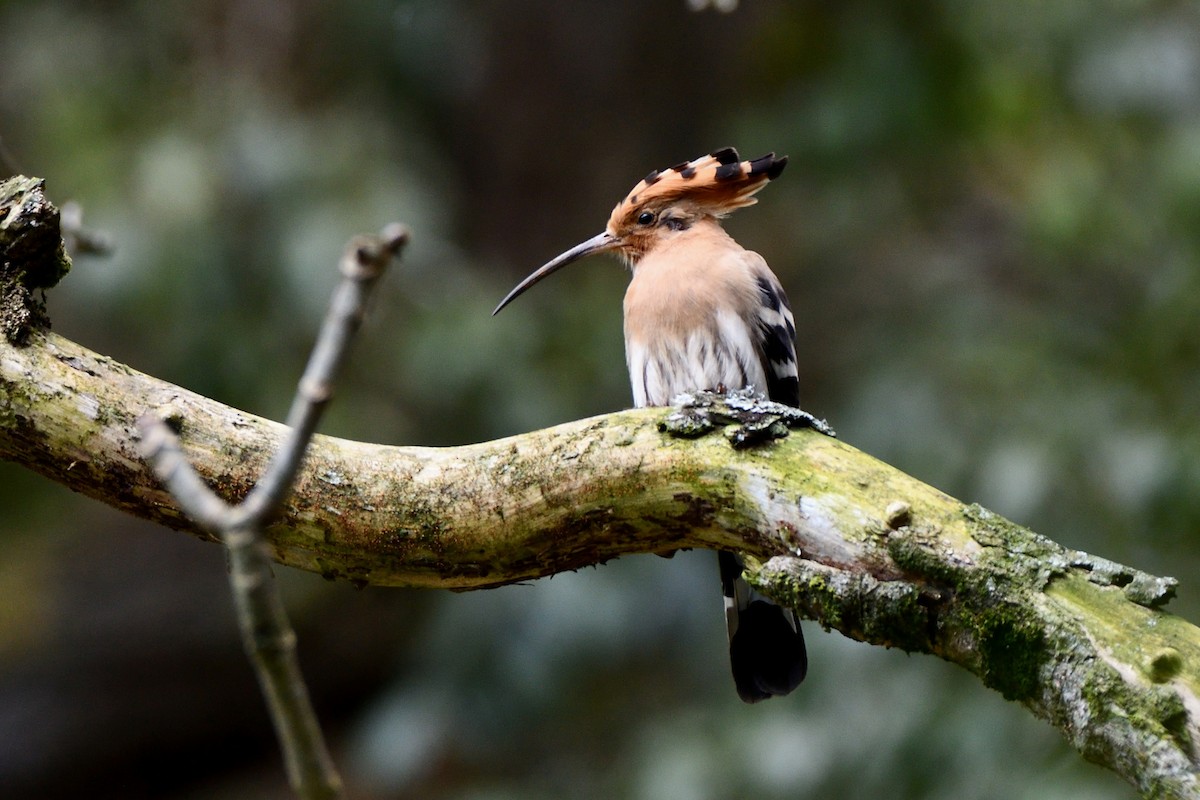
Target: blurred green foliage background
[{"x": 989, "y": 230}]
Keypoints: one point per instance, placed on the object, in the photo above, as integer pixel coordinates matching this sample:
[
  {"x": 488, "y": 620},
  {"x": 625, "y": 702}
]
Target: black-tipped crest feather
[
  {"x": 715, "y": 184},
  {"x": 726, "y": 155}
]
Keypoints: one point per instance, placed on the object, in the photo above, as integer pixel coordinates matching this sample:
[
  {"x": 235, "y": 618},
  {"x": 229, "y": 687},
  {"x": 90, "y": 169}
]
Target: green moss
[
  {"x": 1164, "y": 665},
  {"x": 1020, "y": 546},
  {"x": 814, "y": 593},
  {"x": 917, "y": 554},
  {"x": 1012, "y": 651},
  {"x": 1167, "y": 709},
  {"x": 1007, "y": 648},
  {"x": 1162, "y": 647},
  {"x": 1152, "y": 714},
  {"x": 864, "y": 608}
]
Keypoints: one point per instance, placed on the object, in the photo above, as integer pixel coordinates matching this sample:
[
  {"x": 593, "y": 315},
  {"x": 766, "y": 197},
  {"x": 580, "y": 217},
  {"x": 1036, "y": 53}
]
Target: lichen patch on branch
[{"x": 751, "y": 418}]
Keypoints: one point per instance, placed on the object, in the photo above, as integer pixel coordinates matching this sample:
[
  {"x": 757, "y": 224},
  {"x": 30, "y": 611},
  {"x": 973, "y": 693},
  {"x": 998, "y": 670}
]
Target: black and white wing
[{"x": 777, "y": 337}]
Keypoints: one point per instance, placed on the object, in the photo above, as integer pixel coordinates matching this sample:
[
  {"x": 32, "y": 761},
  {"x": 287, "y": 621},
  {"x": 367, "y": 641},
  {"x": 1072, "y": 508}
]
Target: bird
[{"x": 703, "y": 313}]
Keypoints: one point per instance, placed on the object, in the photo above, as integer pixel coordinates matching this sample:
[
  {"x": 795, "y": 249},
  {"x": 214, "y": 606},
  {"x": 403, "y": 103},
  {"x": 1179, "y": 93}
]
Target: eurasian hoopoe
[{"x": 703, "y": 313}]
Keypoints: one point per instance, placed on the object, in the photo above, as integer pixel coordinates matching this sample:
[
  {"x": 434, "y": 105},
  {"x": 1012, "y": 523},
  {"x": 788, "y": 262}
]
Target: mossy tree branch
[{"x": 856, "y": 544}]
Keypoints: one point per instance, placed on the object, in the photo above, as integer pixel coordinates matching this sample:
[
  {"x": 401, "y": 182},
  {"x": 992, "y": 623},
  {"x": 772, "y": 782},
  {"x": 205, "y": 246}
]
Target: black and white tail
[{"x": 766, "y": 647}]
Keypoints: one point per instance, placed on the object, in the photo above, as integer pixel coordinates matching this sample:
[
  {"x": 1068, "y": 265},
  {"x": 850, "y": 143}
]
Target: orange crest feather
[{"x": 717, "y": 184}]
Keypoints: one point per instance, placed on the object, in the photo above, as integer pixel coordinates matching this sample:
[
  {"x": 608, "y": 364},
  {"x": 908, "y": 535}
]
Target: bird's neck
[{"x": 701, "y": 242}]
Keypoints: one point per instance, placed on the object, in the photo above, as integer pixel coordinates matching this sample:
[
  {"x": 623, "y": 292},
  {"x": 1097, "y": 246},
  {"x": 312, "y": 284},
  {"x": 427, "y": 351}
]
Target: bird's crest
[
  {"x": 666, "y": 202},
  {"x": 716, "y": 184}
]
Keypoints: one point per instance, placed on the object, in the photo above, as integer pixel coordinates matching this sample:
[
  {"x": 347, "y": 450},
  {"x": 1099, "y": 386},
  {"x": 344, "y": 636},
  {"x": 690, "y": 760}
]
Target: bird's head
[{"x": 666, "y": 203}]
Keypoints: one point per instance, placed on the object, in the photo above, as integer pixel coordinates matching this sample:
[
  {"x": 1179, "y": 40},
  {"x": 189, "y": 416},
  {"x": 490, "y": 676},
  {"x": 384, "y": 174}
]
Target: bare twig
[
  {"x": 266, "y": 632},
  {"x": 361, "y": 265},
  {"x": 81, "y": 240}
]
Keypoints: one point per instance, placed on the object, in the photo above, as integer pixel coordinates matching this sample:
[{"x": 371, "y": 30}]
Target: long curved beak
[{"x": 597, "y": 244}]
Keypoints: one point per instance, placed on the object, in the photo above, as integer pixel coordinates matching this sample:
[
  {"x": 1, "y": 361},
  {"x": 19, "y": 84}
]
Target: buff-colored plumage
[
  {"x": 702, "y": 312},
  {"x": 685, "y": 317}
]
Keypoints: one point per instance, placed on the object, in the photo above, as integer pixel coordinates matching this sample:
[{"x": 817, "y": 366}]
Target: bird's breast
[{"x": 689, "y": 326}]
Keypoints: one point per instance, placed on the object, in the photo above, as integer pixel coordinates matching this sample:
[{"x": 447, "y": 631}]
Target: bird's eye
[{"x": 645, "y": 218}]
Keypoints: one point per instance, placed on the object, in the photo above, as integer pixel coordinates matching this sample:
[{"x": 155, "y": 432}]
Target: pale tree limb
[
  {"x": 854, "y": 543},
  {"x": 266, "y": 632}
]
